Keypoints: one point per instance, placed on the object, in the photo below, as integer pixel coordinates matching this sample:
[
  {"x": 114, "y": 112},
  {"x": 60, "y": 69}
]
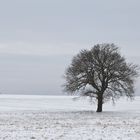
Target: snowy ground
[{"x": 61, "y": 118}]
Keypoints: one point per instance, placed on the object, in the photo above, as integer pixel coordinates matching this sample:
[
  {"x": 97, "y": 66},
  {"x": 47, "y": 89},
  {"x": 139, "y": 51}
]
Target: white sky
[{"x": 38, "y": 38}]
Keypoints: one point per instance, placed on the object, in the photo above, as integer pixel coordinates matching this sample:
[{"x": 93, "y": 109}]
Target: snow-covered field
[{"x": 26, "y": 117}]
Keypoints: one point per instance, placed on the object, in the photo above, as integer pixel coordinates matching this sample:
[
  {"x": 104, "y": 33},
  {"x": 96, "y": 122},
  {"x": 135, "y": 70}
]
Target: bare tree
[{"x": 101, "y": 73}]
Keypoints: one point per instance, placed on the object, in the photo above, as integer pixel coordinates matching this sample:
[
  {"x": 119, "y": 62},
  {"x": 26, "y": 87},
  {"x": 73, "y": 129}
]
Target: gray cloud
[
  {"x": 38, "y": 38},
  {"x": 26, "y": 48}
]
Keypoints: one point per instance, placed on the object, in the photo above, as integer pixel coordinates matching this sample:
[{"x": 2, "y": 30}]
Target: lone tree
[{"x": 101, "y": 73}]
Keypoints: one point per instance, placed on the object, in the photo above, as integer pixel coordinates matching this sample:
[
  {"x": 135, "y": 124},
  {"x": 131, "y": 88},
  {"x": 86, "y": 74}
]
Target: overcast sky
[{"x": 38, "y": 39}]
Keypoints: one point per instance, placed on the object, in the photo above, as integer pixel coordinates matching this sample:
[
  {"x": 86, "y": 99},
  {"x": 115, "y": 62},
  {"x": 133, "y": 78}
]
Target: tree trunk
[{"x": 100, "y": 103}]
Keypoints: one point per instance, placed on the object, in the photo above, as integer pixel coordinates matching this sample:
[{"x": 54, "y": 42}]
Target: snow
[{"x": 28, "y": 117}]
